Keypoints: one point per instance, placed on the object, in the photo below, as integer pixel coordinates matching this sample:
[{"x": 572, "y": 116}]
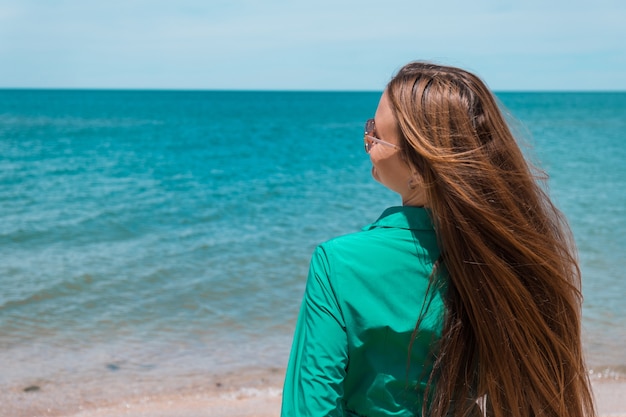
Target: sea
[{"x": 153, "y": 238}]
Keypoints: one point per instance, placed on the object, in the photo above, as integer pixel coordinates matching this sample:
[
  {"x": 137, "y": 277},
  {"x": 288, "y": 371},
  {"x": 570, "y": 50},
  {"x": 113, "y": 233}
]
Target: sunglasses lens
[
  {"x": 369, "y": 130},
  {"x": 369, "y": 127}
]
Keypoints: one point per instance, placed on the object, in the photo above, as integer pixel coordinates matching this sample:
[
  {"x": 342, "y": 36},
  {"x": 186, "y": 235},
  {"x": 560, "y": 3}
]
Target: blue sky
[{"x": 309, "y": 45}]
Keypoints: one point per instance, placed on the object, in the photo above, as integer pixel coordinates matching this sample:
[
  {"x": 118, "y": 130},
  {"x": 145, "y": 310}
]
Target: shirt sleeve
[{"x": 319, "y": 357}]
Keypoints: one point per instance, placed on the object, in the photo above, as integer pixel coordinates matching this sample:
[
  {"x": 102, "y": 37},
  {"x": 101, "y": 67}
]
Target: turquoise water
[{"x": 167, "y": 234}]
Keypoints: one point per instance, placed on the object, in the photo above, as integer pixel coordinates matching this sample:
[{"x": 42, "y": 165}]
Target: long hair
[{"x": 511, "y": 341}]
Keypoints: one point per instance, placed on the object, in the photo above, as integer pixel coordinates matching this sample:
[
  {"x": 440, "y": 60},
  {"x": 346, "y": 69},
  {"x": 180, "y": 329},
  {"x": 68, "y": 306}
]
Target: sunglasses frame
[{"x": 369, "y": 139}]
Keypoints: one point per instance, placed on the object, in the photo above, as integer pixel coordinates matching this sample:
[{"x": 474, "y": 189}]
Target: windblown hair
[{"x": 511, "y": 342}]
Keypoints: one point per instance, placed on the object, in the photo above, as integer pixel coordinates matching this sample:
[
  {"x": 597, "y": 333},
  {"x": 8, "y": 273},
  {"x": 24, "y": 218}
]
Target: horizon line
[{"x": 280, "y": 90}]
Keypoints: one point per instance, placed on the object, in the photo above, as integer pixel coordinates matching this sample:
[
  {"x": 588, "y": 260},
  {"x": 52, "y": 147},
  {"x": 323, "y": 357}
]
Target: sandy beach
[
  {"x": 611, "y": 402},
  {"x": 255, "y": 395}
]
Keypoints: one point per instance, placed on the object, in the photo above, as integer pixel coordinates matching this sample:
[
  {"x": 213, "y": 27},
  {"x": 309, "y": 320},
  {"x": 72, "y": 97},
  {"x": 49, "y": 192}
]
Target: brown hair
[{"x": 511, "y": 341}]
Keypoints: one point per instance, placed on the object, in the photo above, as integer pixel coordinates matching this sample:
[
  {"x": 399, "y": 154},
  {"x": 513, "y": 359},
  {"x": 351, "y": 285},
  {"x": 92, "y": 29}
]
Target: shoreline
[{"x": 251, "y": 393}]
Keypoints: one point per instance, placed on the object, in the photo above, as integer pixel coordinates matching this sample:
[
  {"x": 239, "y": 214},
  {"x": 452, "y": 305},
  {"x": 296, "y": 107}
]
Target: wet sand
[{"x": 260, "y": 398}]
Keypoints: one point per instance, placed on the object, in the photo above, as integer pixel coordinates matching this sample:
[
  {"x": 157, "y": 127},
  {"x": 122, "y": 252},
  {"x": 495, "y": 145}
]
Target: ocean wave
[{"x": 68, "y": 123}]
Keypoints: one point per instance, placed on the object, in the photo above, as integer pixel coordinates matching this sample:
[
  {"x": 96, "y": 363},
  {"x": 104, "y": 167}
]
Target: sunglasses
[{"x": 369, "y": 139}]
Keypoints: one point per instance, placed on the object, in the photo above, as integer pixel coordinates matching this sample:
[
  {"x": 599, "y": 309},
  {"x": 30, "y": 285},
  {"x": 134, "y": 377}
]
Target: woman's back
[{"x": 358, "y": 319}]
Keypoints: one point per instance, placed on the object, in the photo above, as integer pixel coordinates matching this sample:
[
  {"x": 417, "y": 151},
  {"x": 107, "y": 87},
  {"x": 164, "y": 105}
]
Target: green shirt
[{"x": 364, "y": 294}]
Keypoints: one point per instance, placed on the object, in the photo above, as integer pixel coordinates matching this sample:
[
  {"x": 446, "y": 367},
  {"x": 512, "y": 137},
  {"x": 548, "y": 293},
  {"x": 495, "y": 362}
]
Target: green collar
[{"x": 403, "y": 217}]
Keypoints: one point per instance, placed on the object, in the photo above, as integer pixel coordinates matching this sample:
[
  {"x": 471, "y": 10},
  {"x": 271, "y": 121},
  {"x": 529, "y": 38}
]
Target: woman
[{"x": 464, "y": 301}]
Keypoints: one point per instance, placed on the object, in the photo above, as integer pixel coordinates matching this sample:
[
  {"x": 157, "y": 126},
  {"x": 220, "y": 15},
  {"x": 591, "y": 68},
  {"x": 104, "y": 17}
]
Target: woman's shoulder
[
  {"x": 351, "y": 241},
  {"x": 396, "y": 226}
]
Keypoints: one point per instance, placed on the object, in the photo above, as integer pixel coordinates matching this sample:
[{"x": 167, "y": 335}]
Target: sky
[{"x": 523, "y": 45}]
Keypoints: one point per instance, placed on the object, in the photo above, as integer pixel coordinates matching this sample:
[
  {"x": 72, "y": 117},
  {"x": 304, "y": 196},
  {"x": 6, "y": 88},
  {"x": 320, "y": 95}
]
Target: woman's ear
[{"x": 415, "y": 181}]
